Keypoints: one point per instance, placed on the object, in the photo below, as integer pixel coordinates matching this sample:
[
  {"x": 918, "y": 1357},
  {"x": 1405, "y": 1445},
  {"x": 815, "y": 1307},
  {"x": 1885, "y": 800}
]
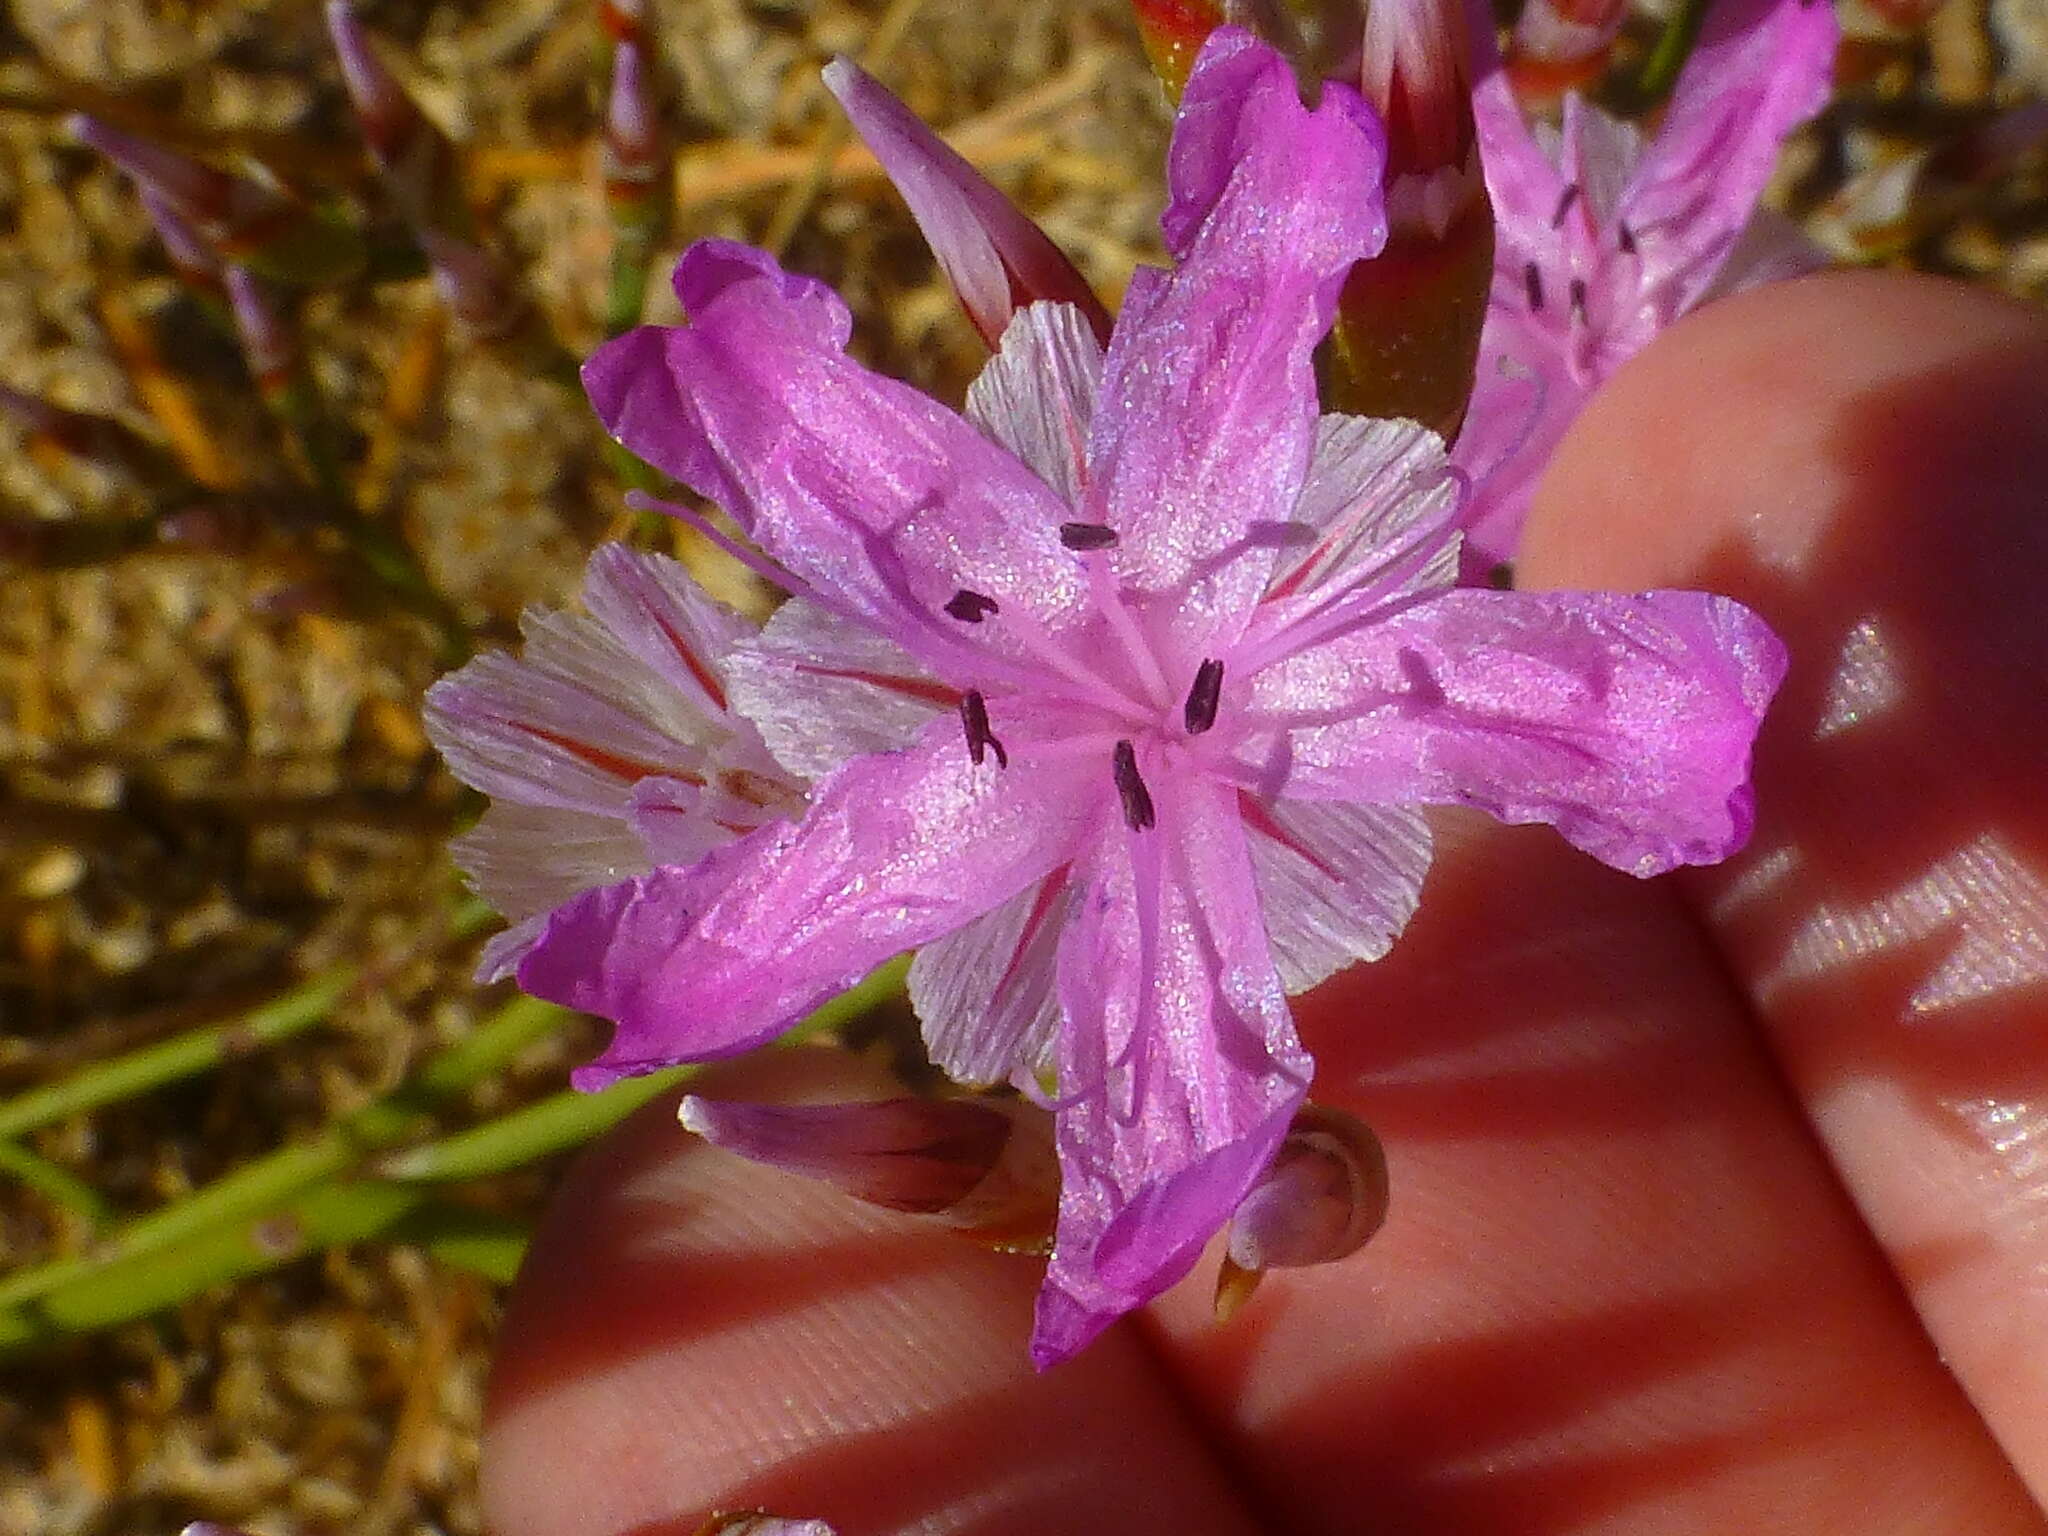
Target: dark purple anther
[
  {"x": 1579, "y": 297},
  {"x": 1199, "y": 713},
  {"x": 1532, "y": 284},
  {"x": 1138, "y": 812},
  {"x": 1625, "y": 238},
  {"x": 1564, "y": 205},
  {"x": 969, "y": 607},
  {"x": 1087, "y": 535},
  {"x": 980, "y": 739}
]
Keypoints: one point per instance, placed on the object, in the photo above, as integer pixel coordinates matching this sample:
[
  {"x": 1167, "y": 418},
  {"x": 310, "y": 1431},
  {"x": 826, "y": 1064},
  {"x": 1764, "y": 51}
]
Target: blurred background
[{"x": 267, "y": 1155}]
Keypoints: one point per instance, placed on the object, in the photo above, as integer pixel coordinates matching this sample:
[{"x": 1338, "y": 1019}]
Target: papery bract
[
  {"x": 1123, "y": 691},
  {"x": 1604, "y": 239}
]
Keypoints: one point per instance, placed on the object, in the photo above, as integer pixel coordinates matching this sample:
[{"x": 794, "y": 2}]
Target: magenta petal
[
  {"x": 1208, "y": 398},
  {"x": 711, "y": 269},
  {"x": 1522, "y": 404},
  {"x": 1179, "y": 1066},
  {"x": 1762, "y": 67},
  {"x": 705, "y": 960},
  {"x": 1625, "y": 722},
  {"x": 875, "y": 495},
  {"x": 997, "y": 260}
]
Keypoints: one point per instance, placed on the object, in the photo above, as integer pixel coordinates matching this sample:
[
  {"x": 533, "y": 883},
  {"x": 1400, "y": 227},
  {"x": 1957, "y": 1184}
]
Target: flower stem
[
  {"x": 278, "y": 1177},
  {"x": 569, "y": 1119},
  {"x": 1668, "y": 54},
  {"x": 186, "y": 1055},
  {"x": 60, "y": 1185},
  {"x": 202, "y": 1049}
]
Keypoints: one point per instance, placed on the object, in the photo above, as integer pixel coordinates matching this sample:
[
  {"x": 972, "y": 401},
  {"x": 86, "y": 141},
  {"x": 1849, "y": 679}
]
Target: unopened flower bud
[
  {"x": 268, "y": 343},
  {"x": 417, "y": 160},
  {"x": 1559, "y": 44},
  {"x": 983, "y": 1167},
  {"x": 1322, "y": 1197},
  {"x": 1406, "y": 339},
  {"x": 1173, "y": 32},
  {"x": 249, "y": 222}
]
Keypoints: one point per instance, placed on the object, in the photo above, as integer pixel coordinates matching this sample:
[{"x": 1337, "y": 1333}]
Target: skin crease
[{"x": 1685, "y": 1173}]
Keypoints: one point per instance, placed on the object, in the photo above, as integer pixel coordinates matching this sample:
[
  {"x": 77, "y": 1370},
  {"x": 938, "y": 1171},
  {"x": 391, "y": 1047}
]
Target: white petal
[
  {"x": 822, "y": 690},
  {"x": 525, "y": 860},
  {"x": 1599, "y": 153},
  {"x": 1036, "y": 397},
  {"x": 656, "y": 610},
  {"x": 1380, "y": 496},
  {"x": 985, "y": 993},
  {"x": 1337, "y": 881}
]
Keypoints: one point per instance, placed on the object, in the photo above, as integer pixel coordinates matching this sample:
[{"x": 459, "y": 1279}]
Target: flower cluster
[{"x": 1118, "y": 697}]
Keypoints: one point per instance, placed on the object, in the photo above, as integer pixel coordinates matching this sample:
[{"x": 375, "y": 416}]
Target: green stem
[
  {"x": 202, "y": 1049},
  {"x": 259, "y": 1186},
  {"x": 58, "y": 1184},
  {"x": 566, "y": 1119},
  {"x": 121, "y": 1290},
  {"x": 570, "y": 1119},
  {"x": 482, "y": 1242},
  {"x": 1673, "y": 47},
  {"x": 196, "y": 1051}
]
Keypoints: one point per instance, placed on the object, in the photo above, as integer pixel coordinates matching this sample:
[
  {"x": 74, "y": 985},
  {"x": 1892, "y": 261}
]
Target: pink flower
[
  {"x": 608, "y": 748},
  {"x": 1603, "y": 240},
  {"x": 1121, "y": 694}
]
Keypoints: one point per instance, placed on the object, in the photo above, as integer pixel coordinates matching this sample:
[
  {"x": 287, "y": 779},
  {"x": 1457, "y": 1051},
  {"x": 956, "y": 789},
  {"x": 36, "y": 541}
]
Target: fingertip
[
  {"x": 693, "y": 1332},
  {"x": 1763, "y": 424}
]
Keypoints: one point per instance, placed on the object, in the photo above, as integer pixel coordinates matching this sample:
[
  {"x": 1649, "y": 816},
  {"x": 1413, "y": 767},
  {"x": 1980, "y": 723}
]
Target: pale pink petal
[
  {"x": 1378, "y": 512},
  {"x": 1522, "y": 181},
  {"x": 1338, "y": 882},
  {"x": 1522, "y": 403},
  {"x": 1761, "y": 68},
  {"x": 1598, "y": 154},
  {"x": 1037, "y": 395},
  {"x": 1179, "y": 1066},
  {"x": 654, "y": 607},
  {"x": 572, "y": 724},
  {"x": 875, "y": 495},
  {"x": 985, "y": 994},
  {"x": 1208, "y": 405},
  {"x": 526, "y": 859},
  {"x": 997, "y": 260},
  {"x": 822, "y": 690},
  {"x": 898, "y": 849},
  {"x": 1625, "y": 722},
  {"x": 1770, "y": 249}
]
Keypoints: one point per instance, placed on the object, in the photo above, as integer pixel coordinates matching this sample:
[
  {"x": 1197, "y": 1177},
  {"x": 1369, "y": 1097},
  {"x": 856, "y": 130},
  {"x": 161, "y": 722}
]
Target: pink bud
[
  {"x": 1566, "y": 32},
  {"x": 1324, "y": 1194},
  {"x": 268, "y": 344},
  {"x": 631, "y": 140},
  {"x": 474, "y": 286},
  {"x": 984, "y": 1167},
  {"x": 997, "y": 260}
]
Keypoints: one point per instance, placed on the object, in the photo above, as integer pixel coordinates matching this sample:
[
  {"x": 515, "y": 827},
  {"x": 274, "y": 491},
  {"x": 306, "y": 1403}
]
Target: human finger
[
  {"x": 1865, "y": 460},
  {"x": 692, "y": 1332}
]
